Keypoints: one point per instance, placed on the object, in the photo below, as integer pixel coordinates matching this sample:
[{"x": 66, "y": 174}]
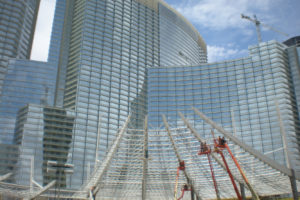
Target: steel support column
[
  {"x": 178, "y": 156},
  {"x": 242, "y": 188},
  {"x": 98, "y": 173},
  {"x": 247, "y": 148},
  {"x": 294, "y": 185},
  {"x": 145, "y": 159},
  {"x": 289, "y": 164},
  {"x": 194, "y": 132}
]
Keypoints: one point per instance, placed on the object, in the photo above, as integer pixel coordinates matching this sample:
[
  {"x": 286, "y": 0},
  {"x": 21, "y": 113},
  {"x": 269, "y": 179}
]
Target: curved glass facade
[
  {"x": 112, "y": 43},
  {"x": 180, "y": 43},
  {"x": 240, "y": 95},
  {"x": 97, "y": 67},
  {"x": 110, "y": 59}
]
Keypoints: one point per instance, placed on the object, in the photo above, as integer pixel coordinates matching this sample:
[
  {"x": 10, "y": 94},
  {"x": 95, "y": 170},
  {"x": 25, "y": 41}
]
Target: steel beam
[
  {"x": 195, "y": 133},
  {"x": 189, "y": 180},
  {"x": 97, "y": 142},
  {"x": 5, "y": 176},
  {"x": 294, "y": 186},
  {"x": 145, "y": 159},
  {"x": 242, "y": 188},
  {"x": 105, "y": 164},
  {"x": 247, "y": 148},
  {"x": 44, "y": 189},
  {"x": 287, "y": 153}
]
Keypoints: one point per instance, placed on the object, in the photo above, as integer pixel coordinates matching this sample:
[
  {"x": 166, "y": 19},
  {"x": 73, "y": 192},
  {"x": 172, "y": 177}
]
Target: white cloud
[
  {"x": 220, "y": 53},
  {"x": 221, "y": 14},
  {"x": 43, "y": 31}
]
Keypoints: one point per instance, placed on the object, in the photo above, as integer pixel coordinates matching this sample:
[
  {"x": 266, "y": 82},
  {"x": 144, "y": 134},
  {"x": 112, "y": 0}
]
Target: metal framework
[{"x": 143, "y": 164}]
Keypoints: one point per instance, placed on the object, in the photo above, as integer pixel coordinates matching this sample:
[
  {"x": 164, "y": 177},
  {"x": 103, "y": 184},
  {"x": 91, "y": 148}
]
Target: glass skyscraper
[
  {"x": 17, "y": 26},
  {"x": 43, "y": 133},
  {"x": 25, "y": 82},
  {"x": 239, "y": 94},
  {"x": 98, "y": 60},
  {"x": 112, "y": 43},
  {"x": 110, "y": 59}
]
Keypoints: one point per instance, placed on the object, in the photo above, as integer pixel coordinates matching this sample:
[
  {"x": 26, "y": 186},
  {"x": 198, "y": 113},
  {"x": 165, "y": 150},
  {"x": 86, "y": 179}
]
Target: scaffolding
[{"x": 165, "y": 163}]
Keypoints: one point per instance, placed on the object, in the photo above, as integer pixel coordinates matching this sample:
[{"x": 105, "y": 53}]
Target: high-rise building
[
  {"x": 294, "y": 41},
  {"x": 100, "y": 51},
  {"x": 17, "y": 26},
  {"x": 240, "y": 95},
  {"x": 111, "y": 45},
  {"x": 112, "y": 58},
  {"x": 25, "y": 82},
  {"x": 43, "y": 134},
  {"x": 294, "y": 63}
]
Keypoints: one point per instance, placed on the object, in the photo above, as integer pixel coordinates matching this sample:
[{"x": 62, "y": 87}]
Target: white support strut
[
  {"x": 6, "y": 176},
  {"x": 247, "y": 148},
  {"x": 194, "y": 132},
  {"x": 93, "y": 182},
  {"x": 44, "y": 189},
  {"x": 178, "y": 156},
  {"x": 145, "y": 159},
  {"x": 254, "y": 194}
]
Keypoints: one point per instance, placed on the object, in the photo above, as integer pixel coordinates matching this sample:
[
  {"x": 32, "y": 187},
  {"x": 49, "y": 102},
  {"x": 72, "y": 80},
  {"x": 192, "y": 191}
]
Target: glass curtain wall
[
  {"x": 244, "y": 90},
  {"x": 17, "y": 26},
  {"x": 294, "y": 63},
  {"x": 25, "y": 82},
  {"x": 180, "y": 42},
  {"x": 43, "y": 134},
  {"x": 111, "y": 45}
]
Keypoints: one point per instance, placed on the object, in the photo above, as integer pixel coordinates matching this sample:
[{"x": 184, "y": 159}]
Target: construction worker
[
  {"x": 219, "y": 140},
  {"x": 201, "y": 147},
  {"x": 222, "y": 141},
  {"x": 205, "y": 148},
  {"x": 186, "y": 187},
  {"x": 181, "y": 165}
]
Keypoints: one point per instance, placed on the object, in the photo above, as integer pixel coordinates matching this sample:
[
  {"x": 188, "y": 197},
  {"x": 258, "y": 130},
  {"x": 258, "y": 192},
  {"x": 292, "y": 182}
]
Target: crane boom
[
  {"x": 275, "y": 30},
  {"x": 258, "y": 23}
]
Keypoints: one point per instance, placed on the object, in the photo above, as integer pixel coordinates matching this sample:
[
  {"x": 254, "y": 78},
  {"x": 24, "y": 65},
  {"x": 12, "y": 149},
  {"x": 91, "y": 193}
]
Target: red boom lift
[{"x": 219, "y": 146}]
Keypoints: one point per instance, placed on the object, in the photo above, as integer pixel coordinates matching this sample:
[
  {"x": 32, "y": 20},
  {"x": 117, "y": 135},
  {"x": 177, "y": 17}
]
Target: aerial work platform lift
[
  {"x": 219, "y": 145},
  {"x": 206, "y": 150},
  {"x": 185, "y": 187}
]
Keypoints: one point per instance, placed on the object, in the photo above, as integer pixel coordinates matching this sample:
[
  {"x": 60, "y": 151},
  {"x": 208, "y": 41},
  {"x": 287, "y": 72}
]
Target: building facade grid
[{"x": 240, "y": 95}]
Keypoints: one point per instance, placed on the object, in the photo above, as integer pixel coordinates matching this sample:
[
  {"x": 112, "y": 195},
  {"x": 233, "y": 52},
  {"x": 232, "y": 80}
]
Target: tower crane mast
[{"x": 258, "y": 23}]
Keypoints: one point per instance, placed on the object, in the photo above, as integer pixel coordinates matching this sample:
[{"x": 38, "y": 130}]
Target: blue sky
[{"x": 226, "y": 34}]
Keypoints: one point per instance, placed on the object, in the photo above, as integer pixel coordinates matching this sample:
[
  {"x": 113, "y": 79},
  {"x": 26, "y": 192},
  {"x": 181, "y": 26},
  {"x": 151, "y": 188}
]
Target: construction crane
[{"x": 258, "y": 23}]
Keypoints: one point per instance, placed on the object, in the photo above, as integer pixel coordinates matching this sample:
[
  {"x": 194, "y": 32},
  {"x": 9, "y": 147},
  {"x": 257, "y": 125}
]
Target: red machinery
[
  {"x": 219, "y": 146},
  {"x": 205, "y": 149},
  {"x": 186, "y": 187},
  {"x": 181, "y": 167}
]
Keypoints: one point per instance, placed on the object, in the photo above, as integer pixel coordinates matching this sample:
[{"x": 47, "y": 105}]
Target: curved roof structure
[{"x": 142, "y": 165}]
